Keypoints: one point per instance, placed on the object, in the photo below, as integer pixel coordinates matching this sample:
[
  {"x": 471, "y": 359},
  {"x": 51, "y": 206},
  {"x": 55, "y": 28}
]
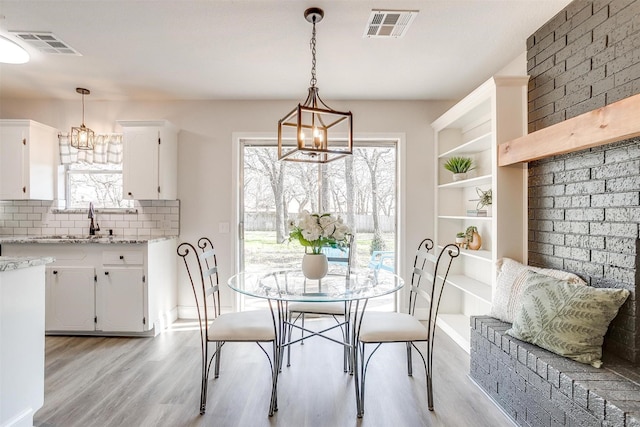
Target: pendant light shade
[
  {"x": 82, "y": 137},
  {"x": 313, "y": 132}
]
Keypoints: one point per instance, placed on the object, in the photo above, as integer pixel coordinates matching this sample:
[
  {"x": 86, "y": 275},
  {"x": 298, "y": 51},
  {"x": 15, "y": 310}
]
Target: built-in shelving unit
[{"x": 494, "y": 113}]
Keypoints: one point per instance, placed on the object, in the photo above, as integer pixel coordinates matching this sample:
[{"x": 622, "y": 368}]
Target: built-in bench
[{"x": 538, "y": 388}]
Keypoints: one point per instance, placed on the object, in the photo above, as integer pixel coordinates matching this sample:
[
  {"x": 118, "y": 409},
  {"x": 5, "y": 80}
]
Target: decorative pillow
[
  {"x": 510, "y": 283},
  {"x": 565, "y": 318}
]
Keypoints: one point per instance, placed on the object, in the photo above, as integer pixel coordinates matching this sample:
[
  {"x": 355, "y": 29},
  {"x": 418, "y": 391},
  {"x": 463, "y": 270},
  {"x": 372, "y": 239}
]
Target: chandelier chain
[{"x": 313, "y": 55}]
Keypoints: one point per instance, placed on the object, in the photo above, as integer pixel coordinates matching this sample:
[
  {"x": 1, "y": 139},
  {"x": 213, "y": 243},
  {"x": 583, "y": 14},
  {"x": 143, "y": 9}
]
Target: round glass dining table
[
  {"x": 284, "y": 286},
  {"x": 291, "y": 285}
]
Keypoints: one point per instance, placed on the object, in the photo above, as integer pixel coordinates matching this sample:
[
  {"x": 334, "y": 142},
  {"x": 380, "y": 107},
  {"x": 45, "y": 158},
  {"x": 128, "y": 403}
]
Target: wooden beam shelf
[{"x": 611, "y": 123}]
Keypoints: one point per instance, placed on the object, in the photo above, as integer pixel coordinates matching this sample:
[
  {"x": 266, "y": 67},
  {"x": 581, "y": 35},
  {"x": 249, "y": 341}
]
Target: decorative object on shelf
[
  {"x": 321, "y": 134},
  {"x": 474, "y": 241},
  {"x": 486, "y": 198},
  {"x": 459, "y": 166},
  {"x": 460, "y": 239},
  {"x": 315, "y": 266},
  {"x": 82, "y": 137},
  {"x": 315, "y": 231},
  {"x": 475, "y": 212},
  {"x": 11, "y": 52}
]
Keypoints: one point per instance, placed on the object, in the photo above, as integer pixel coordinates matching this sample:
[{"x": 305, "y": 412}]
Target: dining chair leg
[
  {"x": 429, "y": 391},
  {"x": 273, "y": 405},
  {"x": 409, "y": 360},
  {"x": 302, "y": 330},
  {"x": 217, "y": 354}
]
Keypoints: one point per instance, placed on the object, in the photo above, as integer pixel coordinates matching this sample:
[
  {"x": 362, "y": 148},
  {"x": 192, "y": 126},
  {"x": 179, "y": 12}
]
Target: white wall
[{"x": 205, "y": 179}]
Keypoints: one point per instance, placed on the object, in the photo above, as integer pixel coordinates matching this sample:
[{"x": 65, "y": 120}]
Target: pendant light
[
  {"x": 315, "y": 133},
  {"x": 82, "y": 137}
]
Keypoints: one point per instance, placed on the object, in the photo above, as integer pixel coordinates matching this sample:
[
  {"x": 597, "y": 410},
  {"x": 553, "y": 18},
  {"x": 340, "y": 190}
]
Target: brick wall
[{"x": 584, "y": 207}]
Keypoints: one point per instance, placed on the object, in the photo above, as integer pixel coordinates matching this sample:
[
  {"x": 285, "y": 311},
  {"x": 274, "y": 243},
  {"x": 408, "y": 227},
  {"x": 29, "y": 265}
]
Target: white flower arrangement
[{"x": 315, "y": 230}]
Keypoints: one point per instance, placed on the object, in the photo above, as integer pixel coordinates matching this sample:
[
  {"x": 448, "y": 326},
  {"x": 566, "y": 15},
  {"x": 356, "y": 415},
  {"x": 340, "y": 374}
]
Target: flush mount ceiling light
[
  {"x": 11, "y": 52},
  {"x": 82, "y": 137},
  {"x": 313, "y": 132}
]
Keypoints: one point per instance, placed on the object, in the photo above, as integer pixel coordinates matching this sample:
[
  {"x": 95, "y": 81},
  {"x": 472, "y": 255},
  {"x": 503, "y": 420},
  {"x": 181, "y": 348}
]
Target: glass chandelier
[
  {"x": 313, "y": 132},
  {"x": 82, "y": 137}
]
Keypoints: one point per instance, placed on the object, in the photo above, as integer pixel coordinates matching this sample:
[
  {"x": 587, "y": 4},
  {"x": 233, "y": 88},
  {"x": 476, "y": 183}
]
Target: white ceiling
[{"x": 259, "y": 49}]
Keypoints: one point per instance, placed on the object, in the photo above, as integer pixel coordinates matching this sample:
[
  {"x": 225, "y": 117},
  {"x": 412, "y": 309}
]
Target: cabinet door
[
  {"x": 70, "y": 299},
  {"x": 140, "y": 163},
  {"x": 120, "y": 300},
  {"x": 12, "y": 160}
]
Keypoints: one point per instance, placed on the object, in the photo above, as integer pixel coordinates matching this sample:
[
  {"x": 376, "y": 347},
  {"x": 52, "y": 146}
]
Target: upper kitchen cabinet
[
  {"x": 27, "y": 160},
  {"x": 150, "y": 161}
]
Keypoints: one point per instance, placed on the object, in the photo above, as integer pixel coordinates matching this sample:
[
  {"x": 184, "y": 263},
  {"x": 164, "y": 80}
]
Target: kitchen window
[{"x": 97, "y": 183}]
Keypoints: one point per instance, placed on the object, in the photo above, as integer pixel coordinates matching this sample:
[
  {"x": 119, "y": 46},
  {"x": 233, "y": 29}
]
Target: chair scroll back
[
  {"x": 430, "y": 272},
  {"x": 202, "y": 270}
]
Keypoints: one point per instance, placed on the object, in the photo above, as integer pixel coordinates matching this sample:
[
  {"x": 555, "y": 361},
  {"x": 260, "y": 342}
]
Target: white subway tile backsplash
[{"x": 34, "y": 217}]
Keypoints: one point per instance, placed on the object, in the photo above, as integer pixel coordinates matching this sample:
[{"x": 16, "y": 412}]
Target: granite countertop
[
  {"x": 15, "y": 263},
  {"x": 83, "y": 239}
]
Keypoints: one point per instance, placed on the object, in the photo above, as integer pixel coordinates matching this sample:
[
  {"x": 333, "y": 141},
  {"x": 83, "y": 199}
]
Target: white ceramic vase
[{"x": 315, "y": 266}]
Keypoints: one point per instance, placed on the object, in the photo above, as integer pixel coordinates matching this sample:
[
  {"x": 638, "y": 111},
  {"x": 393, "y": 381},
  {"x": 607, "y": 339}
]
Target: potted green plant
[
  {"x": 460, "y": 239},
  {"x": 459, "y": 166}
]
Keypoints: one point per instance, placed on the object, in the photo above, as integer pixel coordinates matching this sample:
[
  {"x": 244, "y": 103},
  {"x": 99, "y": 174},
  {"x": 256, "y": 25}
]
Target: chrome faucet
[{"x": 92, "y": 214}]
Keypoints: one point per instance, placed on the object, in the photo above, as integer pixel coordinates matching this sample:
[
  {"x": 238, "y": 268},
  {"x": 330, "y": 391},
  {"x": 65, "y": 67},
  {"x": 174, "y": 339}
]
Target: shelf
[
  {"x": 482, "y": 254},
  {"x": 479, "y": 180},
  {"x": 476, "y": 145},
  {"x": 462, "y": 217},
  {"x": 458, "y": 327},
  {"x": 471, "y": 286}
]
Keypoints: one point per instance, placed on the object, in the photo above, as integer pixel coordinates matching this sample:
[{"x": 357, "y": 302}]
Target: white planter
[
  {"x": 459, "y": 176},
  {"x": 315, "y": 266}
]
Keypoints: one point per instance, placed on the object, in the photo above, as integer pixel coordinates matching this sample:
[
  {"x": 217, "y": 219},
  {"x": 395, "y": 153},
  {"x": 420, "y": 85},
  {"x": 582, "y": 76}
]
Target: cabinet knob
[
  {"x": 121, "y": 256},
  {"x": 129, "y": 193},
  {"x": 106, "y": 273},
  {"x": 55, "y": 271}
]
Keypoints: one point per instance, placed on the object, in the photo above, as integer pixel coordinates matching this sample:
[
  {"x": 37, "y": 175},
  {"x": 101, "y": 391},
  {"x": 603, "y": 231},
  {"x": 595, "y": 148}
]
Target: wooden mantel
[{"x": 614, "y": 122}]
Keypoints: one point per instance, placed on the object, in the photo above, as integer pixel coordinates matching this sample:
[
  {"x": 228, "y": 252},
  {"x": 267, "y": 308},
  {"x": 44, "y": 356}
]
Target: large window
[
  {"x": 97, "y": 183},
  {"x": 360, "y": 188}
]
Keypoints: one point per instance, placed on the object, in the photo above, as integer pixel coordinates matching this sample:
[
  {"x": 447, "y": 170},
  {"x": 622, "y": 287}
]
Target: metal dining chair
[
  {"x": 428, "y": 279},
  {"x": 342, "y": 260},
  {"x": 216, "y": 328}
]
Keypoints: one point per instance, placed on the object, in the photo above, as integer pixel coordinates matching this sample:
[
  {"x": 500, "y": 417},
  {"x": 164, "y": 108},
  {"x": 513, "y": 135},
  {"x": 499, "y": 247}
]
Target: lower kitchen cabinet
[
  {"x": 70, "y": 298},
  {"x": 120, "y": 300},
  {"x": 107, "y": 289}
]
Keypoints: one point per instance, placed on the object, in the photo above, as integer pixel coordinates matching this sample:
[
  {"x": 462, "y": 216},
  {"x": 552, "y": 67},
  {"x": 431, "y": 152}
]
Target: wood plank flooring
[{"x": 104, "y": 382}]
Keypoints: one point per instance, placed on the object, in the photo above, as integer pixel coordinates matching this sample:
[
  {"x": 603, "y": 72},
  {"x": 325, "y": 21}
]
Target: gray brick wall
[
  {"x": 538, "y": 388},
  {"x": 584, "y": 207}
]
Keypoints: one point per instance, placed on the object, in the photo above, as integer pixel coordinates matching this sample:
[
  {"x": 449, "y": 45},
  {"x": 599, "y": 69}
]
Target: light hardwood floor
[{"x": 95, "y": 381}]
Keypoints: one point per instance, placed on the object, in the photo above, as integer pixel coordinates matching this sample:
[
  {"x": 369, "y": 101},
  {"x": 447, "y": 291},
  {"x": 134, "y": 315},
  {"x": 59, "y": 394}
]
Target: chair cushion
[
  {"x": 243, "y": 326},
  {"x": 391, "y": 327},
  {"x": 317, "y": 307}
]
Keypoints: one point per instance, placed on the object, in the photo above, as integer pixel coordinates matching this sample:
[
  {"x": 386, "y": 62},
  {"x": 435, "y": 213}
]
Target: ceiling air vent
[
  {"x": 46, "y": 42},
  {"x": 389, "y": 23}
]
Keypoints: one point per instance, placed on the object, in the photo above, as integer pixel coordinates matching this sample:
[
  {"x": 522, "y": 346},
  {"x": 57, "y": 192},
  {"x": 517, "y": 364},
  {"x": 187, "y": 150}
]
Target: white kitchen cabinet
[
  {"x": 27, "y": 160},
  {"x": 124, "y": 289},
  {"x": 494, "y": 113},
  {"x": 70, "y": 298},
  {"x": 120, "y": 299},
  {"x": 150, "y": 160}
]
